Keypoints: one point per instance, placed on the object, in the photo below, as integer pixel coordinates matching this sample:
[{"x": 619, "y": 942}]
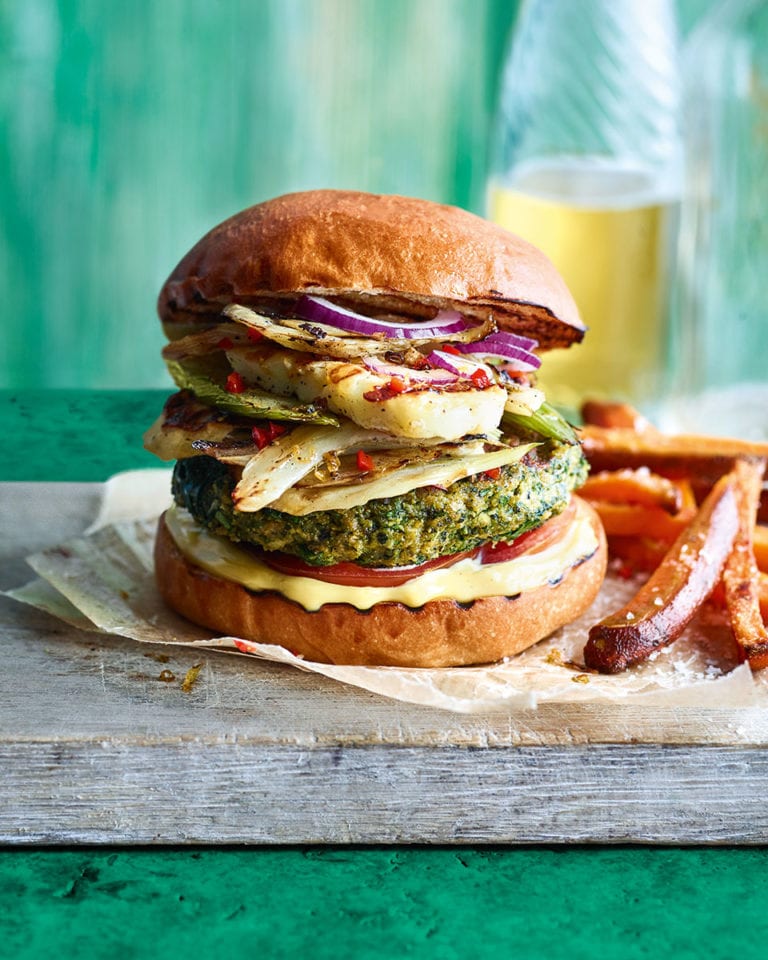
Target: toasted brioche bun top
[{"x": 387, "y": 252}]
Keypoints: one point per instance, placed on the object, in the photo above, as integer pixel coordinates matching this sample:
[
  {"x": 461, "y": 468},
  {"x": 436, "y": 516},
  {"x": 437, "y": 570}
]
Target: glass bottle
[
  {"x": 722, "y": 281},
  {"x": 586, "y": 165}
]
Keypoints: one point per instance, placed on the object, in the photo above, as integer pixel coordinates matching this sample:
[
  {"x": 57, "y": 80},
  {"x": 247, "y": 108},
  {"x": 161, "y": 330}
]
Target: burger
[{"x": 366, "y": 470}]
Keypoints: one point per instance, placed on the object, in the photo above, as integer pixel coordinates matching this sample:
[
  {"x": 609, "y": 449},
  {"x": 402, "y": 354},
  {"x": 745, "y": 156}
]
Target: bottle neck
[{"x": 594, "y": 78}]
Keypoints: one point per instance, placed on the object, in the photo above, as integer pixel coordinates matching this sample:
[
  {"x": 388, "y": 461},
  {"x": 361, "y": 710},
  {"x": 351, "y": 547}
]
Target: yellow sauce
[{"x": 465, "y": 581}]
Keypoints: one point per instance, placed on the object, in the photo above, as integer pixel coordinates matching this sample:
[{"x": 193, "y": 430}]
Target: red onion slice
[
  {"x": 443, "y": 361},
  {"x": 460, "y": 366},
  {"x": 523, "y": 359},
  {"x": 319, "y": 310},
  {"x": 512, "y": 339},
  {"x": 499, "y": 345},
  {"x": 408, "y": 374}
]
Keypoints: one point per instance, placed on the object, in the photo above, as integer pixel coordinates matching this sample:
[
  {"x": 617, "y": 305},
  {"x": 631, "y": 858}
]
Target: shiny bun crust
[
  {"x": 442, "y": 633},
  {"x": 395, "y": 252}
]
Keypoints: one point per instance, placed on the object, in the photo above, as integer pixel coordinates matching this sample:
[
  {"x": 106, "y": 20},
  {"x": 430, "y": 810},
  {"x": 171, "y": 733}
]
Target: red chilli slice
[
  {"x": 235, "y": 383},
  {"x": 364, "y": 461}
]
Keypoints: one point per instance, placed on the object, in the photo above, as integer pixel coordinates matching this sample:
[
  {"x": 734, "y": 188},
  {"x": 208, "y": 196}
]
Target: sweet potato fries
[
  {"x": 684, "y": 509},
  {"x": 667, "y": 602},
  {"x": 740, "y": 577}
]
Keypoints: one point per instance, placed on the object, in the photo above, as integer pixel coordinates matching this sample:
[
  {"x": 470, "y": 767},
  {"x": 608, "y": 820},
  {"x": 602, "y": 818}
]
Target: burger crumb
[
  {"x": 159, "y": 657},
  {"x": 555, "y": 658},
  {"x": 190, "y": 678}
]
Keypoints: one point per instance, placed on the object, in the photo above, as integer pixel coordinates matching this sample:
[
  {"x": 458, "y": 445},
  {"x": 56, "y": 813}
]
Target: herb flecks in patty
[{"x": 397, "y": 531}]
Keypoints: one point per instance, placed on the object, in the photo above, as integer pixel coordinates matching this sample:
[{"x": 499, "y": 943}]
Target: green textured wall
[{"x": 129, "y": 127}]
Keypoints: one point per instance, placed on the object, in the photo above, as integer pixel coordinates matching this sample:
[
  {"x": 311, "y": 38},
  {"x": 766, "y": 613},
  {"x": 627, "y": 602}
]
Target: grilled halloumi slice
[{"x": 354, "y": 391}]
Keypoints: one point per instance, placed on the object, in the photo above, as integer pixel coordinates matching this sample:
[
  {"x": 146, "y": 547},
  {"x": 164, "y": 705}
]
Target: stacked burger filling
[{"x": 333, "y": 437}]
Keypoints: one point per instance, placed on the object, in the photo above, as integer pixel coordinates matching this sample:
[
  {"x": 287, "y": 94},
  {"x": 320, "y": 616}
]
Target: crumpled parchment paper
[{"x": 103, "y": 582}]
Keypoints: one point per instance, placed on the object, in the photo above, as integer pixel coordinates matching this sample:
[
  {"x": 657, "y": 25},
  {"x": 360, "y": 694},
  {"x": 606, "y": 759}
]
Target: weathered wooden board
[{"x": 96, "y": 747}]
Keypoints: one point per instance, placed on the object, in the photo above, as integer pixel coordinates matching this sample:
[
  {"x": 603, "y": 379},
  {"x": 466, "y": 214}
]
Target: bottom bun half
[{"x": 441, "y": 633}]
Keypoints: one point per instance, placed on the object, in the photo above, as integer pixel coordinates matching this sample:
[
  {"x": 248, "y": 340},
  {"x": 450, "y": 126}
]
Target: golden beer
[{"x": 608, "y": 231}]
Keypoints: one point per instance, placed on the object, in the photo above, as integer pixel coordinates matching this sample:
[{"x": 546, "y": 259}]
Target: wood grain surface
[{"x": 100, "y": 743}]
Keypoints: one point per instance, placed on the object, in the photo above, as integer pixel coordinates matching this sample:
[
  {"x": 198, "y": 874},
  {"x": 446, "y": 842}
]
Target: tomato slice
[
  {"x": 353, "y": 575},
  {"x": 534, "y": 541}
]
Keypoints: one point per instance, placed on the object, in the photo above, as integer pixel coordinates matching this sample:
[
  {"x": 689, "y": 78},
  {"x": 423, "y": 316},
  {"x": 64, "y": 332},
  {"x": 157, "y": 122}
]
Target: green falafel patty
[{"x": 425, "y": 523}]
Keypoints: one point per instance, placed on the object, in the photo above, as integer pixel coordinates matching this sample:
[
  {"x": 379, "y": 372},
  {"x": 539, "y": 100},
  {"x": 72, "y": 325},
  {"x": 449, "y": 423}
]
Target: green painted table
[{"x": 343, "y": 901}]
